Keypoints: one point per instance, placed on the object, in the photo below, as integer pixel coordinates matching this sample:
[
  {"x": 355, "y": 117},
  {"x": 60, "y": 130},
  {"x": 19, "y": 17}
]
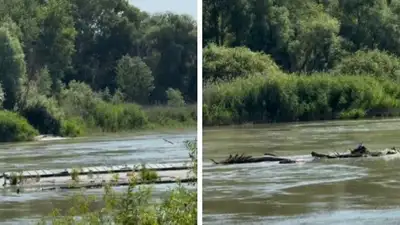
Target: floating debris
[{"x": 267, "y": 157}]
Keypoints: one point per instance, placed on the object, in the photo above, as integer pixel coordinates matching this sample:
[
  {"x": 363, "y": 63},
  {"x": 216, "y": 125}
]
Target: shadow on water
[
  {"x": 331, "y": 192},
  {"x": 99, "y": 151}
]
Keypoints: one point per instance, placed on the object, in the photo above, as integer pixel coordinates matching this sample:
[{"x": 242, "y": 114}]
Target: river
[
  {"x": 348, "y": 191},
  {"x": 95, "y": 151}
]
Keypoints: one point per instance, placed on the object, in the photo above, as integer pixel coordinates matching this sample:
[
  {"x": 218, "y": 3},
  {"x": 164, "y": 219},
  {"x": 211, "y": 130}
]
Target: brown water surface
[
  {"x": 346, "y": 191},
  {"x": 23, "y": 208}
]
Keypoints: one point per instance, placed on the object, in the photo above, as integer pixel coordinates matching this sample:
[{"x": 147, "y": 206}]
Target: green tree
[
  {"x": 222, "y": 63},
  {"x": 374, "y": 62},
  {"x": 316, "y": 45},
  {"x": 79, "y": 99},
  {"x": 214, "y": 13},
  {"x": 12, "y": 67},
  {"x": 56, "y": 43},
  {"x": 134, "y": 78},
  {"x": 363, "y": 23},
  {"x": 175, "y": 97},
  {"x": 174, "y": 40},
  {"x": 83, "y": 40},
  {"x": 44, "y": 82}
]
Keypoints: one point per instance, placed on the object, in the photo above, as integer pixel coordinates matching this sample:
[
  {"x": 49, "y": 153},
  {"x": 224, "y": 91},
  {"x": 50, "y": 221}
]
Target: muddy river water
[
  {"x": 349, "y": 191},
  {"x": 23, "y": 208}
]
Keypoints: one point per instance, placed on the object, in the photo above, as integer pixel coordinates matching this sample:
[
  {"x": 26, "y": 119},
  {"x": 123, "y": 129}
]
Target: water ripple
[{"x": 268, "y": 178}]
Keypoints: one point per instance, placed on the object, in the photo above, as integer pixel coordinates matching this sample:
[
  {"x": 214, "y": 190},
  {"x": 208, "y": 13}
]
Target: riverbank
[
  {"x": 302, "y": 123},
  {"x": 289, "y": 98},
  {"x": 132, "y": 133},
  {"x": 122, "y": 118}
]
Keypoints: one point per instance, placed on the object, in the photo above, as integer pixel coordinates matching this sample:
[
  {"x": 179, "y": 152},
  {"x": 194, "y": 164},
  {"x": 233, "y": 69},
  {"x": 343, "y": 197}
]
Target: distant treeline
[
  {"x": 93, "y": 61},
  {"x": 280, "y": 60}
]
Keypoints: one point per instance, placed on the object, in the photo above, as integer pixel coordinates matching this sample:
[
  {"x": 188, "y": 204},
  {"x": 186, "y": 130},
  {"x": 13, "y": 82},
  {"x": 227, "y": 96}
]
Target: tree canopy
[
  {"x": 306, "y": 35},
  {"x": 300, "y": 60},
  {"x": 84, "y": 40}
]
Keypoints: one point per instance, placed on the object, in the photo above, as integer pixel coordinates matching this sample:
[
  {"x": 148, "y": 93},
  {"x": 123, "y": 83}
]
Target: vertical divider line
[{"x": 199, "y": 111}]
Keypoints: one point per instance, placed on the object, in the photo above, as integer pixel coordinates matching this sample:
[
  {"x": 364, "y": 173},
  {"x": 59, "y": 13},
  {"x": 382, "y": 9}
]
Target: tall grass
[
  {"x": 79, "y": 109},
  {"x": 285, "y": 98},
  {"x": 79, "y": 101},
  {"x": 170, "y": 116},
  {"x": 119, "y": 117}
]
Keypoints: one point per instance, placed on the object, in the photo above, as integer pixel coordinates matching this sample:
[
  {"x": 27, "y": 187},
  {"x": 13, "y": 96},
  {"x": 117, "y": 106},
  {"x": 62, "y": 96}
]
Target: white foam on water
[{"x": 266, "y": 179}]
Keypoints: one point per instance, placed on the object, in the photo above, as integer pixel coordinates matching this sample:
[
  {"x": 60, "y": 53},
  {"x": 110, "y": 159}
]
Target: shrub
[
  {"x": 118, "y": 117},
  {"x": 41, "y": 117},
  {"x": 174, "y": 97},
  {"x": 168, "y": 116},
  {"x": 118, "y": 97},
  {"x": 75, "y": 175},
  {"x": 216, "y": 115},
  {"x": 222, "y": 63},
  {"x": 14, "y": 127},
  {"x": 292, "y": 98},
  {"x": 79, "y": 100},
  {"x": 148, "y": 175},
  {"x": 353, "y": 114},
  {"x": 134, "y": 78},
  {"x": 372, "y": 62},
  {"x": 73, "y": 127}
]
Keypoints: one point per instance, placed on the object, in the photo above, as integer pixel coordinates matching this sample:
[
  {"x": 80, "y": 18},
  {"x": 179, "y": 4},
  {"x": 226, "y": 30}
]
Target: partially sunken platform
[{"x": 97, "y": 177}]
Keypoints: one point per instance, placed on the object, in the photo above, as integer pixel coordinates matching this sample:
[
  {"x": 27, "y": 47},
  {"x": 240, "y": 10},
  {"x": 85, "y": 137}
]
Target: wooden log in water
[
  {"x": 250, "y": 159},
  {"x": 355, "y": 155},
  {"x": 335, "y": 156}
]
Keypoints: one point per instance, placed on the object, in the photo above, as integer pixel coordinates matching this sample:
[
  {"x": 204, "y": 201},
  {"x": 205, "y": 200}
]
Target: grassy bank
[
  {"x": 171, "y": 117},
  {"x": 79, "y": 111},
  {"x": 281, "y": 97},
  {"x": 120, "y": 118}
]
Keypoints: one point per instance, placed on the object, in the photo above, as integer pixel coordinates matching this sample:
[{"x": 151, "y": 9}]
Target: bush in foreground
[{"x": 14, "y": 127}]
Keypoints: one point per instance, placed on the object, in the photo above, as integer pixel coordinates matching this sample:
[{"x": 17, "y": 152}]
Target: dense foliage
[
  {"x": 224, "y": 64},
  {"x": 297, "y": 98},
  {"x": 264, "y": 58},
  {"x": 93, "y": 60},
  {"x": 14, "y": 127}
]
